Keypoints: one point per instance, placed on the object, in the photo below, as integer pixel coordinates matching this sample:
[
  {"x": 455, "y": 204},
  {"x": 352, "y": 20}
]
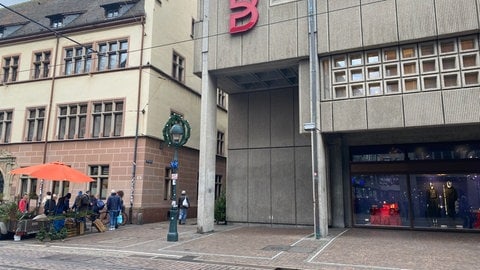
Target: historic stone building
[{"x": 92, "y": 84}]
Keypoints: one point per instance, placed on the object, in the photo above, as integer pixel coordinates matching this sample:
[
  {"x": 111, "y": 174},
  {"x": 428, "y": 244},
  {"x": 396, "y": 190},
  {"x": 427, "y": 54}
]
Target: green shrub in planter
[{"x": 221, "y": 209}]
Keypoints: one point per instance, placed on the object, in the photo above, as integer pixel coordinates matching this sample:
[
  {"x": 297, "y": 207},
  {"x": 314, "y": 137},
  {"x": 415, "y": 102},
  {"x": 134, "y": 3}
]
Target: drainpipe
[
  {"x": 318, "y": 156},
  {"x": 49, "y": 114},
  {"x": 135, "y": 148}
]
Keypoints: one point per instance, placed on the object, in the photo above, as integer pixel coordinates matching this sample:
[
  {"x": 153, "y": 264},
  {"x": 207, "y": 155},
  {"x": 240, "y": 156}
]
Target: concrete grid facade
[{"x": 389, "y": 72}]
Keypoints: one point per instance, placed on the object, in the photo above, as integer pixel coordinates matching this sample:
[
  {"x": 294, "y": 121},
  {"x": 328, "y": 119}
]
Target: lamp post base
[{"x": 172, "y": 235}]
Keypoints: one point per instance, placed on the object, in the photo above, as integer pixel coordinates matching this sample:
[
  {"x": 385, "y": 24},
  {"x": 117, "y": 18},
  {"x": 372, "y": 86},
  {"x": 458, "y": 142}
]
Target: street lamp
[{"x": 176, "y": 132}]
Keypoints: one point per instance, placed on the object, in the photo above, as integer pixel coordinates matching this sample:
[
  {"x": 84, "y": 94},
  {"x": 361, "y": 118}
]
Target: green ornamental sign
[{"x": 172, "y": 121}]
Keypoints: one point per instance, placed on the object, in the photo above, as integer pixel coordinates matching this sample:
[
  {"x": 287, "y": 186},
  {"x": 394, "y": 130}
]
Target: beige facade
[
  {"x": 97, "y": 94},
  {"x": 390, "y": 72}
]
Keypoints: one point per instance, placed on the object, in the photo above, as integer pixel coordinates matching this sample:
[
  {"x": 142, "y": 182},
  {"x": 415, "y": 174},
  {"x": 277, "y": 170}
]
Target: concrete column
[
  {"x": 208, "y": 137},
  {"x": 208, "y": 147},
  {"x": 336, "y": 183},
  {"x": 322, "y": 187}
]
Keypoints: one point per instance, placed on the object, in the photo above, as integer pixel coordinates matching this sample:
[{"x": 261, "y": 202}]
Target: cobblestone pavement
[{"x": 245, "y": 247}]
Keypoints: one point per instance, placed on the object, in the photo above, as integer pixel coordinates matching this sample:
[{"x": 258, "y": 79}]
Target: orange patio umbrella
[{"x": 54, "y": 171}]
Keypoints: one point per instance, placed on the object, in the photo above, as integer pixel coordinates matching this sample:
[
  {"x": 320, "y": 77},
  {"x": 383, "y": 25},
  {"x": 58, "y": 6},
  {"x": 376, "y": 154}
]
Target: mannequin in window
[
  {"x": 450, "y": 195},
  {"x": 432, "y": 204}
]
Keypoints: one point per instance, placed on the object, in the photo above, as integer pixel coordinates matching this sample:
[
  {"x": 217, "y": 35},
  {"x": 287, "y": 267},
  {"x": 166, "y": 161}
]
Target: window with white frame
[
  {"x": 112, "y": 55},
  {"x": 178, "y": 67},
  {"x": 220, "y": 143},
  {"x": 78, "y": 60},
  {"x": 41, "y": 64},
  {"x": 5, "y": 126},
  {"x": 99, "y": 185},
  {"x": 35, "y": 122},
  {"x": 72, "y": 121},
  {"x": 10, "y": 68},
  {"x": 221, "y": 98},
  {"x": 218, "y": 186},
  {"x": 107, "y": 119}
]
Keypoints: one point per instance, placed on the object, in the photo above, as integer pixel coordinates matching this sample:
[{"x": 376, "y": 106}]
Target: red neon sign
[{"x": 249, "y": 8}]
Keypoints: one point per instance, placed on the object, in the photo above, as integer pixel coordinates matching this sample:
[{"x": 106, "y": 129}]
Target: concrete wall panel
[
  {"x": 322, "y": 35},
  {"x": 221, "y": 17},
  {"x": 456, "y": 16},
  {"x": 423, "y": 109},
  {"x": 238, "y": 114},
  {"x": 283, "y": 186},
  {"x": 255, "y": 47},
  {"x": 335, "y": 4},
  {"x": 416, "y": 19},
  {"x": 303, "y": 185},
  {"x": 230, "y": 48},
  {"x": 302, "y": 28},
  {"x": 282, "y": 122},
  {"x": 385, "y": 112},
  {"x": 237, "y": 188},
  {"x": 345, "y": 29},
  {"x": 462, "y": 106},
  {"x": 304, "y": 94},
  {"x": 259, "y": 186},
  {"x": 283, "y": 40},
  {"x": 349, "y": 115},
  {"x": 259, "y": 120},
  {"x": 326, "y": 117},
  {"x": 300, "y": 137},
  {"x": 379, "y": 27}
]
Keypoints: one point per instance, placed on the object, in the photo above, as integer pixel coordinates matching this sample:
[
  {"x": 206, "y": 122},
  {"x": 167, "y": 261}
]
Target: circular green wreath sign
[{"x": 176, "y": 119}]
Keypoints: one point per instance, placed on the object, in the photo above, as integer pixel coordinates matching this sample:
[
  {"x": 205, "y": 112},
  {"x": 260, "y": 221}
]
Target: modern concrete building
[
  {"x": 92, "y": 84},
  {"x": 388, "y": 89}
]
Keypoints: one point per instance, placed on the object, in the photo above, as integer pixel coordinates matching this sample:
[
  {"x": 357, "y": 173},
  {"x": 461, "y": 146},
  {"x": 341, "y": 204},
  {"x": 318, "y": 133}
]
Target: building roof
[{"x": 75, "y": 13}]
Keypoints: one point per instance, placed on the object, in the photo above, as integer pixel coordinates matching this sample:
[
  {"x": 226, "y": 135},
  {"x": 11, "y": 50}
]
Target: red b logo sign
[{"x": 249, "y": 8}]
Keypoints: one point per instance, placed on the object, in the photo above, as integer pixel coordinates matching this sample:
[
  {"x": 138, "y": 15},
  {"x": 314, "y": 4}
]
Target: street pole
[
  {"x": 176, "y": 132},
  {"x": 172, "y": 235}
]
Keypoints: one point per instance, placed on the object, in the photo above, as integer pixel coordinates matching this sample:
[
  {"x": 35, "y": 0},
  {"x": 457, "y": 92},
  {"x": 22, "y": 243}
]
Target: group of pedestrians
[{"x": 85, "y": 204}]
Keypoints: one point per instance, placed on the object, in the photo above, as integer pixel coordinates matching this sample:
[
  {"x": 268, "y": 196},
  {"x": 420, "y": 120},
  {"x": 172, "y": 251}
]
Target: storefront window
[
  {"x": 380, "y": 200},
  {"x": 446, "y": 200}
]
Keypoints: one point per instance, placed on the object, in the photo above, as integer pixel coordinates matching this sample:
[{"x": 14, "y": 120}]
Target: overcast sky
[{"x": 11, "y": 2}]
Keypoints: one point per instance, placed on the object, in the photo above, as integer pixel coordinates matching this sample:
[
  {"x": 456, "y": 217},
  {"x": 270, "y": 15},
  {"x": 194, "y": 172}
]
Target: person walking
[
  {"x": 183, "y": 204},
  {"x": 113, "y": 207}
]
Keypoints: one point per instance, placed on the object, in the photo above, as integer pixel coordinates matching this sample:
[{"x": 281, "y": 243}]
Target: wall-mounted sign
[{"x": 244, "y": 15}]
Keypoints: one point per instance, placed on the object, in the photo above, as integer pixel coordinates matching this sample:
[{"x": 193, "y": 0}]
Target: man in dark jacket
[
  {"x": 50, "y": 205},
  {"x": 114, "y": 205}
]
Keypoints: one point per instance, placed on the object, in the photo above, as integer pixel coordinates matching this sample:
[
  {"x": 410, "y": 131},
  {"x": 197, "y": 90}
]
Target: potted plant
[{"x": 221, "y": 209}]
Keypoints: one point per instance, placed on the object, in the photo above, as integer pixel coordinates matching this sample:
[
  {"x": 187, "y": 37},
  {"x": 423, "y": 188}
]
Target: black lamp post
[{"x": 176, "y": 132}]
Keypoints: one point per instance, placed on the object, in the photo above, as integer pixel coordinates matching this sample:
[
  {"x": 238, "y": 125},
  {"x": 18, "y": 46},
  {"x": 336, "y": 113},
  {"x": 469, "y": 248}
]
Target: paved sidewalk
[{"x": 266, "y": 247}]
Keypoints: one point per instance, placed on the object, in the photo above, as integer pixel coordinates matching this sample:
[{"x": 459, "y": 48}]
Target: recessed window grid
[{"x": 426, "y": 66}]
